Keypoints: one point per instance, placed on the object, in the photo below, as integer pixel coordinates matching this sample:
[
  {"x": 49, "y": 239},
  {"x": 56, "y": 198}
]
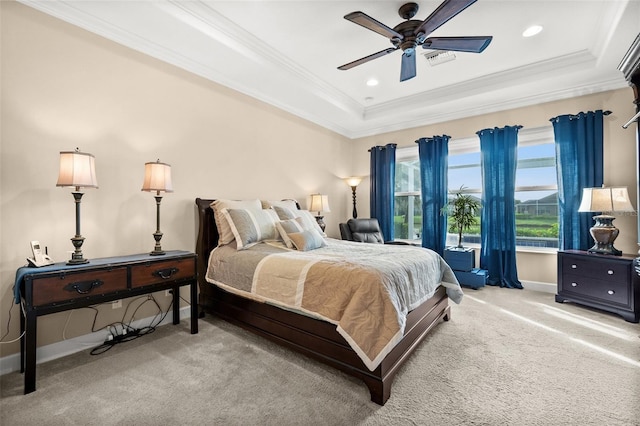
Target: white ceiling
[{"x": 286, "y": 53}]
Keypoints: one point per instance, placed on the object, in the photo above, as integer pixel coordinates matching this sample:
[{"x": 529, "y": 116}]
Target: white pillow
[
  {"x": 290, "y": 204},
  {"x": 224, "y": 230}
]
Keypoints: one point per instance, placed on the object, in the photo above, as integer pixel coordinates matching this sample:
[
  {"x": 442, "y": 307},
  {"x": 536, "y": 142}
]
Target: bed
[{"x": 312, "y": 335}]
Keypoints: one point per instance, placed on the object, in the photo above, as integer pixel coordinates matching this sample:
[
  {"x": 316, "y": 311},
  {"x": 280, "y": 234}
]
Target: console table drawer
[
  {"x": 157, "y": 272},
  {"x": 607, "y": 290},
  {"x": 70, "y": 286}
]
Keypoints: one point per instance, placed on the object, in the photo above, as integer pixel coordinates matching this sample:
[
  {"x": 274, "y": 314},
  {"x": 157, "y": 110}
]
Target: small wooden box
[{"x": 460, "y": 259}]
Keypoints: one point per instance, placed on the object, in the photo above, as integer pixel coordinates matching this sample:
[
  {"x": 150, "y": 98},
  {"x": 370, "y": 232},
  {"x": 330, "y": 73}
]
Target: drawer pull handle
[
  {"x": 83, "y": 287},
  {"x": 166, "y": 273},
  {"x": 611, "y": 292},
  {"x": 574, "y": 284},
  {"x": 610, "y": 272}
]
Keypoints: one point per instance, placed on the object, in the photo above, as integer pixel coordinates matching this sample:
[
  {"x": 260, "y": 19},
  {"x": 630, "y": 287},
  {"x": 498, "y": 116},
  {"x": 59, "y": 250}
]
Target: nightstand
[
  {"x": 61, "y": 287},
  {"x": 606, "y": 282}
]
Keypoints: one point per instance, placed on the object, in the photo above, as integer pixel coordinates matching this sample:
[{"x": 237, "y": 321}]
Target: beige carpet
[{"x": 507, "y": 357}]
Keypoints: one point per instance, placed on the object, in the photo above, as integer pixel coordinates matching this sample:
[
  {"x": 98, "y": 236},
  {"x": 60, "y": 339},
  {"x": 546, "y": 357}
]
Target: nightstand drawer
[
  {"x": 605, "y": 290},
  {"x": 157, "y": 272},
  {"x": 70, "y": 286},
  {"x": 595, "y": 269}
]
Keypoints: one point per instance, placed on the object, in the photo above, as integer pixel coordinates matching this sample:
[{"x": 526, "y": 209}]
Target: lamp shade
[
  {"x": 157, "y": 177},
  {"x": 607, "y": 200},
  {"x": 319, "y": 203},
  {"x": 77, "y": 169},
  {"x": 353, "y": 181}
]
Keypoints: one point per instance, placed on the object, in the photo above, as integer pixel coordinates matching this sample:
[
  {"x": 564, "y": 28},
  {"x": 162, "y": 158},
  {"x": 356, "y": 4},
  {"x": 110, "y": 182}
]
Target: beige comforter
[{"x": 365, "y": 289}]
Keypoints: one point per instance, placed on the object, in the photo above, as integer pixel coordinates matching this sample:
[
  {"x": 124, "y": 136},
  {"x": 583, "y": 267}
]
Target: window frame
[{"x": 526, "y": 137}]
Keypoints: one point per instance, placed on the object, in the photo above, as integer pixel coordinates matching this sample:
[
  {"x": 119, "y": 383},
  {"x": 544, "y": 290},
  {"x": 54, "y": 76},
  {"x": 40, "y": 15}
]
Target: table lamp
[
  {"x": 605, "y": 201},
  {"x": 77, "y": 169},
  {"x": 320, "y": 203},
  {"x": 157, "y": 177}
]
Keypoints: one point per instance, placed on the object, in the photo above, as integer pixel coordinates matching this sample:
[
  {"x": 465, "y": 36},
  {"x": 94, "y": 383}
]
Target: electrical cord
[
  {"x": 9, "y": 323},
  {"x": 128, "y": 332}
]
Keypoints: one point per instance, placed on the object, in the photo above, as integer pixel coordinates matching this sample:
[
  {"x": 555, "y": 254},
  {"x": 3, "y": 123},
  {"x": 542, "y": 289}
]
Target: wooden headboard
[{"x": 207, "y": 236}]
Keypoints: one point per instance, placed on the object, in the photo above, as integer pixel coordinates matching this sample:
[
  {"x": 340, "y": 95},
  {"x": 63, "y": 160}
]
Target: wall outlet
[
  {"x": 167, "y": 293},
  {"x": 116, "y": 304}
]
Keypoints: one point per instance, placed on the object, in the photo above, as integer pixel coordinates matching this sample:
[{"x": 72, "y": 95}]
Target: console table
[
  {"x": 61, "y": 287},
  {"x": 610, "y": 283}
]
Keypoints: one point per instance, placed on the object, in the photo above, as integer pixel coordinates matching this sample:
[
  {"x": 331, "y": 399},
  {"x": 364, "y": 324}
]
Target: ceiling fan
[{"x": 413, "y": 33}]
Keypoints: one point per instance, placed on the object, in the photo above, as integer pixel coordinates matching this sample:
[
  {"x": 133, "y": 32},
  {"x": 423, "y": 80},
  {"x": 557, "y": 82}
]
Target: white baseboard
[
  {"x": 56, "y": 350},
  {"x": 540, "y": 286}
]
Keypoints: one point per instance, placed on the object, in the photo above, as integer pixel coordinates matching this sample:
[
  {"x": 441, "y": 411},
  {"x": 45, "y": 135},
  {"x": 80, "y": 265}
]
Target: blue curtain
[
  {"x": 499, "y": 158},
  {"x": 383, "y": 175},
  {"x": 433, "y": 153},
  {"x": 579, "y": 164}
]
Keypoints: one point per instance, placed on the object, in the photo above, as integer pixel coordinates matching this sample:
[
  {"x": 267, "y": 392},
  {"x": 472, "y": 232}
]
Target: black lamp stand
[
  {"x": 77, "y": 240},
  {"x": 604, "y": 233},
  {"x": 157, "y": 251},
  {"x": 353, "y": 192}
]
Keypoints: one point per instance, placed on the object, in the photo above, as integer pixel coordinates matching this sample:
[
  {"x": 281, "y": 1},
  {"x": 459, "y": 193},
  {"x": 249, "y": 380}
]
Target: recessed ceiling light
[
  {"x": 531, "y": 31},
  {"x": 372, "y": 82}
]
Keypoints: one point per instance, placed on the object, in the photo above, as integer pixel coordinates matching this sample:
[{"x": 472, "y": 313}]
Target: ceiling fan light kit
[{"x": 410, "y": 34}]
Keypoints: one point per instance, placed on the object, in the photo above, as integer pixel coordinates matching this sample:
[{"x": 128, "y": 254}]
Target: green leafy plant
[{"x": 461, "y": 211}]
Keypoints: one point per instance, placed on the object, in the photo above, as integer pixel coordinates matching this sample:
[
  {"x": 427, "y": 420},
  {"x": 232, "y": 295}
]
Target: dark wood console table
[{"x": 60, "y": 287}]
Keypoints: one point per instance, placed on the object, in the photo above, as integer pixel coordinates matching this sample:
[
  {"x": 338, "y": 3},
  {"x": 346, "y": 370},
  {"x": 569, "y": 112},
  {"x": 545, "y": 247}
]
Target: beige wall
[
  {"x": 619, "y": 158},
  {"x": 63, "y": 87}
]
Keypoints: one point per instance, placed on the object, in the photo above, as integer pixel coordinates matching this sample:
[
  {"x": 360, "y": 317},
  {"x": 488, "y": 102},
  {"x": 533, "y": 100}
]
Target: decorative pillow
[
  {"x": 286, "y": 227},
  {"x": 289, "y": 204},
  {"x": 309, "y": 220},
  {"x": 307, "y": 240},
  {"x": 224, "y": 230},
  {"x": 251, "y": 226}
]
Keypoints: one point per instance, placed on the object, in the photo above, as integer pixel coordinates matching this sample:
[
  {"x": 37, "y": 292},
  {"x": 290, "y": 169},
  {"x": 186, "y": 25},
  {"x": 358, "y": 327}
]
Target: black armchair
[
  {"x": 366, "y": 231},
  {"x": 362, "y": 230}
]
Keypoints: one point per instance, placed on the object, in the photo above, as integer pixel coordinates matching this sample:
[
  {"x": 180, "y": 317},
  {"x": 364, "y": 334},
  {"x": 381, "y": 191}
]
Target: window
[
  {"x": 407, "y": 221},
  {"x": 536, "y": 188}
]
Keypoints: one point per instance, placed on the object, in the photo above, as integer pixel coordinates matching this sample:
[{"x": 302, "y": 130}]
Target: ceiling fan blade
[
  {"x": 369, "y": 23},
  {"x": 408, "y": 69},
  {"x": 447, "y": 10},
  {"x": 367, "y": 58},
  {"x": 458, "y": 44}
]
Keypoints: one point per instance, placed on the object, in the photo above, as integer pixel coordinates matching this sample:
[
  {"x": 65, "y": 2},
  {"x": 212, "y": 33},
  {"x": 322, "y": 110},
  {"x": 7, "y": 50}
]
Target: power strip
[{"x": 112, "y": 340}]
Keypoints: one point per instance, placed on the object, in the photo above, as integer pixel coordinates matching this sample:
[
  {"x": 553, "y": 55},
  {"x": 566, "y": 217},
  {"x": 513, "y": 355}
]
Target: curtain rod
[{"x": 634, "y": 118}]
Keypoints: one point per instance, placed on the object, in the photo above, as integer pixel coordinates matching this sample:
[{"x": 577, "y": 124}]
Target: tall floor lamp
[
  {"x": 605, "y": 201},
  {"x": 77, "y": 169},
  {"x": 157, "y": 177},
  {"x": 353, "y": 182}
]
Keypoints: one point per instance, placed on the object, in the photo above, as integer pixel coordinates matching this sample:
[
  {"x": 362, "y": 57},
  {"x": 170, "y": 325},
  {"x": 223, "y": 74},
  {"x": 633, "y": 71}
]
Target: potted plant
[{"x": 461, "y": 210}]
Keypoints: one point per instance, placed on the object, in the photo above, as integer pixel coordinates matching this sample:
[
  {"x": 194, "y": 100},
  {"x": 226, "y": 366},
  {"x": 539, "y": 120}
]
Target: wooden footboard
[
  {"x": 320, "y": 340},
  {"x": 315, "y": 338}
]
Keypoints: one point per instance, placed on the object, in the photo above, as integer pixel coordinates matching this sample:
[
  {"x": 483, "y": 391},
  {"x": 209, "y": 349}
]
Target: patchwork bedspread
[{"x": 366, "y": 290}]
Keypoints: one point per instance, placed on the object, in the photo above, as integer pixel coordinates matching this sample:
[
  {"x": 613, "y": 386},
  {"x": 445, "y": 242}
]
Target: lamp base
[
  {"x": 76, "y": 256},
  {"x": 320, "y": 220},
  {"x": 157, "y": 250},
  {"x": 604, "y": 233}
]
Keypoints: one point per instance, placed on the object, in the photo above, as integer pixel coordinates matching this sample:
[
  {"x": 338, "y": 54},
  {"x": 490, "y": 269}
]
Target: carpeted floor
[{"x": 507, "y": 357}]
